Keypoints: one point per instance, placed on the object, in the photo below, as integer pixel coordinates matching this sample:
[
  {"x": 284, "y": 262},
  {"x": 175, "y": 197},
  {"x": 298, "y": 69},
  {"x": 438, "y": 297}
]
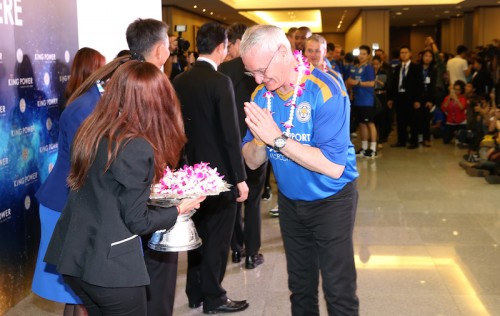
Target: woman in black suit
[
  {"x": 428, "y": 96},
  {"x": 135, "y": 131}
]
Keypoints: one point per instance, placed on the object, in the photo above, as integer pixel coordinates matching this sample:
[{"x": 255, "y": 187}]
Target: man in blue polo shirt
[
  {"x": 363, "y": 82},
  {"x": 299, "y": 120}
]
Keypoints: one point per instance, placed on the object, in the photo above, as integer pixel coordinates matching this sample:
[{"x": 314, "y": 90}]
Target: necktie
[{"x": 403, "y": 75}]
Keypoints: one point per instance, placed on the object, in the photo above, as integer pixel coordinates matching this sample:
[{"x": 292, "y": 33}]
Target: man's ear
[{"x": 221, "y": 47}]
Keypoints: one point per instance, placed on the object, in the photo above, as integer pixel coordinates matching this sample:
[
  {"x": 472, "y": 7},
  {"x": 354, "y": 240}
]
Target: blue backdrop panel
[{"x": 38, "y": 41}]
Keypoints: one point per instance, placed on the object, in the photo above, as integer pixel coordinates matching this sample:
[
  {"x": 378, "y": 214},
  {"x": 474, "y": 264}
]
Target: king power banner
[{"x": 38, "y": 39}]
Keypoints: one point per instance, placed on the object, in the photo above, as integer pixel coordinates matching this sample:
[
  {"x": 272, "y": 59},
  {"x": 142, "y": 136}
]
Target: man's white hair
[
  {"x": 267, "y": 37},
  {"x": 317, "y": 38}
]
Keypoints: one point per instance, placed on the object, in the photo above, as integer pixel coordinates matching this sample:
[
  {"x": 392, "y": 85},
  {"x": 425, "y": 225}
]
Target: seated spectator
[
  {"x": 437, "y": 123},
  {"x": 455, "y": 107},
  {"x": 490, "y": 168}
]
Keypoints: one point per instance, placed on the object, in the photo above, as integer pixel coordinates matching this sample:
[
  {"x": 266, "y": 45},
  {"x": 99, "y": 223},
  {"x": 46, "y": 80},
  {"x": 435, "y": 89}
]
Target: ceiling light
[
  {"x": 204, "y": 10},
  {"x": 399, "y": 13},
  {"x": 282, "y": 18},
  {"x": 195, "y": 6},
  {"x": 413, "y": 24},
  {"x": 447, "y": 11},
  {"x": 406, "y": 9},
  {"x": 421, "y": 21},
  {"x": 211, "y": 13}
]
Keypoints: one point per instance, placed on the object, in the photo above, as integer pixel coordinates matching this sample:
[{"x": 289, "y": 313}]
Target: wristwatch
[{"x": 280, "y": 142}]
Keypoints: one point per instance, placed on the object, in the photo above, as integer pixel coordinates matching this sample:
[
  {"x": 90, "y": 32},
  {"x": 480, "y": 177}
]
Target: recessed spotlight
[
  {"x": 447, "y": 11},
  {"x": 406, "y": 9},
  {"x": 421, "y": 21},
  {"x": 399, "y": 13},
  {"x": 211, "y": 13},
  {"x": 204, "y": 10},
  {"x": 195, "y": 6},
  {"x": 459, "y": 7},
  {"x": 414, "y": 24}
]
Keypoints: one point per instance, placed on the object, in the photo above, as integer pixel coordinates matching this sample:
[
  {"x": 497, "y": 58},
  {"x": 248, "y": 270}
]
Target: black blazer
[
  {"x": 413, "y": 83},
  {"x": 210, "y": 120},
  {"x": 243, "y": 85},
  {"x": 429, "y": 87},
  {"x": 96, "y": 237}
]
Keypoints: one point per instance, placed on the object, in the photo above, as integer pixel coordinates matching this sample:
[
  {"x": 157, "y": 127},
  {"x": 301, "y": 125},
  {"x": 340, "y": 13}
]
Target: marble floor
[{"x": 426, "y": 241}]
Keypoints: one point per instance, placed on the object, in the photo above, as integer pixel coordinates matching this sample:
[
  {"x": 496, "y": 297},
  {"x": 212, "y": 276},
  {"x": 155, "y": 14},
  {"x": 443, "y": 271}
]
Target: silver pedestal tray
[{"x": 181, "y": 237}]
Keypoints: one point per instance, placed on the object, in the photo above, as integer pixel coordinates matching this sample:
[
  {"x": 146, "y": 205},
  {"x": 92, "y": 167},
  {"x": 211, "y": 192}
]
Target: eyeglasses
[{"x": 262, "y": 73}]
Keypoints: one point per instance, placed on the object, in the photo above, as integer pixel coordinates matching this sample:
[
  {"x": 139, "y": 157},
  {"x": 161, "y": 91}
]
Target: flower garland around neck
[{"x": 298, "y": 89}]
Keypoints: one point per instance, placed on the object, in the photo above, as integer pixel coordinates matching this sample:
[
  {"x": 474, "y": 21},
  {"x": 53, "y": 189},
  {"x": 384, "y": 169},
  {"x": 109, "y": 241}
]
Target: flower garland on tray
[{"x": 189, "y": 182}]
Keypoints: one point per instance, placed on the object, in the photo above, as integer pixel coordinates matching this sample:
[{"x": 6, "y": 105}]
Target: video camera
[{"x": 182, "y": 44}]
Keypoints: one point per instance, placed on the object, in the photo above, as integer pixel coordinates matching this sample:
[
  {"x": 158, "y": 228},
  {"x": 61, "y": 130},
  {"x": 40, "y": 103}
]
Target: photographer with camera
[{"x": 177, "y": 61}]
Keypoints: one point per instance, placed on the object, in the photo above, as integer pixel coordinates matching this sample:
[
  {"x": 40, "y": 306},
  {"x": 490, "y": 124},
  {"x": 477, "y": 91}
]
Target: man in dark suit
[
  {"x": 162, "y": 266},
  {"x": 211, "y": 123},
  {"x": 249, "y": 235},
  {"x": 407, "y": 86}
]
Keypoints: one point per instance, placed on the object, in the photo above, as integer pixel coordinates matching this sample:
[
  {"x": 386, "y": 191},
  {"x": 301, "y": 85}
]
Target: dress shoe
[
  {"x": 398, "y": 145},
  {"x": 228, "y": 307},
  {"x": 253, "y": 261},
  {"x": 194, "y": 304},
  {"x": 413, "y": 146},
  {"x": 267, "y": 194},
  {"x": 236, "y": 256}
]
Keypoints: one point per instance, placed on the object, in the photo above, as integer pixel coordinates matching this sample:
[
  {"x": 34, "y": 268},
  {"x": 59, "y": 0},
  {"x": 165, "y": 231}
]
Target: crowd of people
[{"x": 253, "y": 100}]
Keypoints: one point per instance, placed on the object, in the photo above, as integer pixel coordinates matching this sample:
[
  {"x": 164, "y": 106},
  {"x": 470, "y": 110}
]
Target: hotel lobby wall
[
  {"x": 486, "y": 23},
  {"x": 477, "y": 28},
  {"x": 370, "y": 27},
  {"x": 335, "y": 38},
  {"x": 102, "y": 24},
  {"x": 175, "y": 16}
]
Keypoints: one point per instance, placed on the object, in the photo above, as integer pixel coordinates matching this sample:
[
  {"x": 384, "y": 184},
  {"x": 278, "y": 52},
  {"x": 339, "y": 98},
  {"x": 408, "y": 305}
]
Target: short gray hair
[
  {"x": 317, "y": 38},
  {"x": 268, "y": 37}
]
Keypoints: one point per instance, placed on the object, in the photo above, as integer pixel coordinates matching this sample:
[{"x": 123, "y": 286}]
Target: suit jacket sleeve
[
  {"x": 133, "y": 169},
  {"x": 417, "y": 82},
  {"x": 231, "y": 139},
  {"x": 394, "y": 85}
]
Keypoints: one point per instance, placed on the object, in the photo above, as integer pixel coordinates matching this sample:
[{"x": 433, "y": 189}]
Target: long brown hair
[
  {"x": 139, "y": 102},
  {"x": 102, "y": 74},
  {"x": 86, "y": 61}
]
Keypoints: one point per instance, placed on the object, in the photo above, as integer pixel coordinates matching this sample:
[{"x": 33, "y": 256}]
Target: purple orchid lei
[{"x": 298, "y": 89}]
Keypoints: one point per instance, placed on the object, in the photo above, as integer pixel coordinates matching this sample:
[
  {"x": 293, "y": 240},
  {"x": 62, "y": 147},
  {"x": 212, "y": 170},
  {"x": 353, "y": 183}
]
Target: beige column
[
  {"x": 370, "y": 27},
  {"x": 486, "y": 23}
]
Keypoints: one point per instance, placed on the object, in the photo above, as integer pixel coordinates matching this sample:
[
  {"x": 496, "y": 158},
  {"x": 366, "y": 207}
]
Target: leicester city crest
[{"x": 303, "y": 112}]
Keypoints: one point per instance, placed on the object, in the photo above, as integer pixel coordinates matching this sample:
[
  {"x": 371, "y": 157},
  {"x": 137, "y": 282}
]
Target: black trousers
[
  {"x": 162, "y": 270},
  {"x": 383, "y": 119},
  {"x": 104, "y": 301},
  {"x": 248, "y": 235},
  {"x": 317, "y": 236},
  {"x": 406, "y": 116},
  {"x": 424, "y": 122},
  {"x": 450, "y": 131},
  {"x": 214, "y": 222}
]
